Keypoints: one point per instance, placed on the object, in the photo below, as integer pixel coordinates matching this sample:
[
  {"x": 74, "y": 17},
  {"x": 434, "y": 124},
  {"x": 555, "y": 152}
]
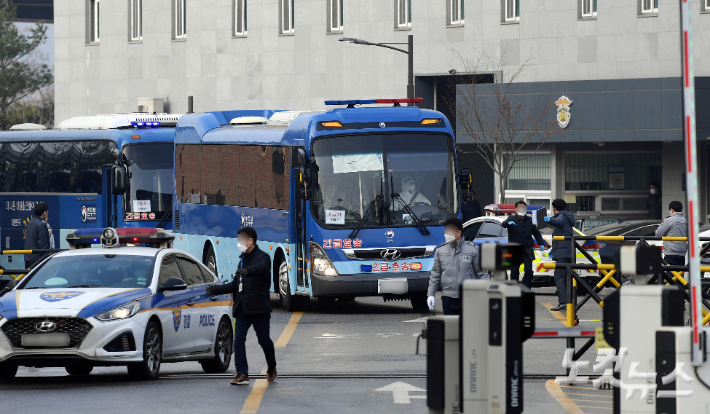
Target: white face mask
[
  {"x": 242, "y": 248},
  {"x": 653, "y": 191},
  {"x": 449, "y": 238},
  {"x": 521, "y": 213}
]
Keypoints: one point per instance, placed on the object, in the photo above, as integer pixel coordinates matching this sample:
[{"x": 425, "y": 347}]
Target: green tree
[{"x": 20, "y": 75}]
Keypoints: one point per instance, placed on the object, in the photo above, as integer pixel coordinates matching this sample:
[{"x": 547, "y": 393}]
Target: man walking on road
[
  {"x": 454, "y": 261},
  {"x": 252, "y": 304},
  {"x": 521, "y": 230},
  {"x": 562, "y": 251},
  {"x": 36, "y": 234},
  {"x": 674, "y": 225}
]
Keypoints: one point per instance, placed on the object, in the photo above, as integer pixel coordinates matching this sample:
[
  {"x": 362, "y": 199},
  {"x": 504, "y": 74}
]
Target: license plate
[{"x": 47, "y": 340}]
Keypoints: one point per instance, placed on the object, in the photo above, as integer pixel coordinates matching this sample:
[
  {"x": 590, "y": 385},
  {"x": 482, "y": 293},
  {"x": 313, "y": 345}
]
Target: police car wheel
[
  {"x": 149, "y": 368},
  {"x": 80, "y": 370},
  {"x": 222, "y": 349},
  {"x": 7, "y": 371}
]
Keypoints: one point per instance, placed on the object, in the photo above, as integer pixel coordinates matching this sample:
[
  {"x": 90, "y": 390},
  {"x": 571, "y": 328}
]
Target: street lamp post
[{"x": 409, "y": 51}]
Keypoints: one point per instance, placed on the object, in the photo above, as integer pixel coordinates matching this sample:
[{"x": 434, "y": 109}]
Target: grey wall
[
  {"x": 265, "y": 70},
  {"x": 619, "y": 110}
]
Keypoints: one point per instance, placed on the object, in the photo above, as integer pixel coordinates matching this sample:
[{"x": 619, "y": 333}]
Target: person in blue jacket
[{"x": 563, "y": 223}]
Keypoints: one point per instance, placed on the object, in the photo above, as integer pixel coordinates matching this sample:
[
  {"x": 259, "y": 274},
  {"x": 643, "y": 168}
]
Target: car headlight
[
  {"x": 120, "y": 312},
  {"x": 320, "y": 263}
]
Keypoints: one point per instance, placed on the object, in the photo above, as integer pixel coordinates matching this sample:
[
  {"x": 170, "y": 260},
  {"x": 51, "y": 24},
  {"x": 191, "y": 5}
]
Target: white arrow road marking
[
  {"x": 387, "y": 335},
  {"x": 420, "y": 320},
  {"x": 400, "y": 392},
  {"x": 337, "y": 336}
]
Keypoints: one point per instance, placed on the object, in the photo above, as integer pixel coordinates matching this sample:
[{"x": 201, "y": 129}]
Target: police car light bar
[
  {"x": 353, "y": 102},
  {"x": 125, "y": 235}
]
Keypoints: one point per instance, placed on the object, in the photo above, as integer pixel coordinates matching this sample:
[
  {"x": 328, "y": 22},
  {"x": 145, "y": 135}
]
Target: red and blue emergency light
[
  {"x": 125, "y": 235},
  {"x": 353, "y": 102}
]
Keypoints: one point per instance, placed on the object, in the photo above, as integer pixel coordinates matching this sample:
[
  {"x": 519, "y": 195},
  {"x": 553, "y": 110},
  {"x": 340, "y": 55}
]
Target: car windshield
[
  {"x": 150, "y": 171},
  {"x": 354, "y": 170},
  {"x": 106, "y": 270}
]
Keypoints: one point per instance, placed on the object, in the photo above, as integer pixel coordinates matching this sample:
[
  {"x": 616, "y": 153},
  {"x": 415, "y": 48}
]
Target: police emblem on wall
[{"x": 563, "y": 111}]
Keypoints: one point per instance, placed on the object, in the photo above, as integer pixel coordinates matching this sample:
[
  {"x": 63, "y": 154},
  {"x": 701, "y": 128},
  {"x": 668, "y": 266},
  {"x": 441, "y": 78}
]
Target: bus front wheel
[
  {"x": 211, "y": 260},
  {"x": 290, "y": 302}
]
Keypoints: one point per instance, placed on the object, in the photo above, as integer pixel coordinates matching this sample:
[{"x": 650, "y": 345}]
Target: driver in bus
[{"x": 410, "y": 195}]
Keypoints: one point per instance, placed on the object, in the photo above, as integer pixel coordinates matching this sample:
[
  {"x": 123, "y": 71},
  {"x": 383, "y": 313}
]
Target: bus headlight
[{"x": 320, "y": 262}]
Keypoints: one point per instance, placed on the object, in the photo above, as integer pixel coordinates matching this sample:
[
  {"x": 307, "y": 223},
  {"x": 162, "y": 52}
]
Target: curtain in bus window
[
  {"x": 187, "y": 173},
  {"x": 211, "y": 174},
  {"x": 55, "y": 167}
]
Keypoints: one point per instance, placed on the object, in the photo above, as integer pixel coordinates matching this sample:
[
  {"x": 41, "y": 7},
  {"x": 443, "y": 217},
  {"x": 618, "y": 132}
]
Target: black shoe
[
  {"x": 560, "y": 307},
  {"x": 271, "y": 374}
]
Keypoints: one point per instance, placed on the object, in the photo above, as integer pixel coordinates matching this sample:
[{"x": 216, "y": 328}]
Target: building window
[
  {"x": 511, "y": 10},
  {"x": 403, "y": 14},
  {"x": 649, "y": 6},
  {"x": 179, "y": 19},
  {"x": 454, "y": 12},
  {"x": 335, "y": 16},
  {"x": 705, "y": 6},
  {"x": 530, "y": 173},
  {"x": 92, "y": 21},
  {"x": 588, "y": 8},
  {"x": 240, "y": 18},
  {"x": 286, "y": 25},
  {"x": 135, "y": 12}
]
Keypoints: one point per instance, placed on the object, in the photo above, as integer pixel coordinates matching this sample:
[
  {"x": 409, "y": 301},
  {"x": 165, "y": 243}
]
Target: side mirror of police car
[
  {"x": 173, "y": 283},
  {"x": 9, "y": 286},
  {"x": 118, "y": 180}
]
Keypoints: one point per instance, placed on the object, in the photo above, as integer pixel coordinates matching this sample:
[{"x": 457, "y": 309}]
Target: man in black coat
[
  {"x": 36, "y": 234},
  {"x": 252, "y": 304},
  {"x": 470, "y": 207},
  {"x": 521, "y": 230}
]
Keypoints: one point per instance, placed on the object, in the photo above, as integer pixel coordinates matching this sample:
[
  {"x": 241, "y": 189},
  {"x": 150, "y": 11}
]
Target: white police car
[{"x": 136, "y": 306}]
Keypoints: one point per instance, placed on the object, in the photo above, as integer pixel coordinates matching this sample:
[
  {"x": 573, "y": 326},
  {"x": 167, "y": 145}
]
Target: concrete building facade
[{"x": 619, "y": 59}]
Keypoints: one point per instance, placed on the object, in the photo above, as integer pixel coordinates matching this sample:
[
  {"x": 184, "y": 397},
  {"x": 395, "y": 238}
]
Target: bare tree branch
[{"x": 503, "y": 131}]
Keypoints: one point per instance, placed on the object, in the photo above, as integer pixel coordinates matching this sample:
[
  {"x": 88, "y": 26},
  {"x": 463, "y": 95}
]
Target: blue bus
[
  {"x": 94, "y": 171},
  {"x": 347, "y": 202}
]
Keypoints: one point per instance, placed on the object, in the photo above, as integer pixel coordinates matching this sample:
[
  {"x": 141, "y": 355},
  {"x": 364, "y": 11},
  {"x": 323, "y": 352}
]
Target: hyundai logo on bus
[{"x": 391, "y": 254}]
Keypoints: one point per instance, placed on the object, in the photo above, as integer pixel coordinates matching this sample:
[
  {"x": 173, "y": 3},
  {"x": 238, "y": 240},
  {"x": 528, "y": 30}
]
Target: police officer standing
[
  {"x": 37, "y": 234},
  {"x": 252, "y": 304},
  {"x": 563, "y": 223},
  {"x": 521, "y": 230},
  {"x": 454, "y": 261}
]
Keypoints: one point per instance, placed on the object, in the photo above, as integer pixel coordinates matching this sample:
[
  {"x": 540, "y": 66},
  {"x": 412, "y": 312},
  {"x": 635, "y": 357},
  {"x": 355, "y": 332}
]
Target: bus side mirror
[
  {"x": 118, "y": 180},
  {"x": 300, "y": 158},
  {"x": 465, "y": 177}
]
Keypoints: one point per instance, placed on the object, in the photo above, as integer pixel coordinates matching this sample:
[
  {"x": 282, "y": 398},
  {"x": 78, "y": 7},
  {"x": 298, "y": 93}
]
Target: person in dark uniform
[
  {"x": 252, "y": 304},
  {"x": 521, "y": 230},
  {"x": 653, "y": 201},
  {"x": 470, "y": 207},
  {"x": 37, "y": 234}
]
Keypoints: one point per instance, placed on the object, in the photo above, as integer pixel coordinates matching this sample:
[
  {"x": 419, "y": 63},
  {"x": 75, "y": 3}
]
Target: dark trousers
[
  {"x": 675, "y": 260},
  {"x": 561, "y": 281},
  {"x": 452, "y": 306},
  {"x": 261, "y": 325},
  {"x": 527, "y": 268}
]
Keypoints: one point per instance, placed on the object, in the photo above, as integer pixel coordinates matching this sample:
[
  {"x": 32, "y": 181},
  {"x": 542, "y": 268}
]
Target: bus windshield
[
  {"x": 354, "y": 170},
  {"x": 150, "y": 171}
]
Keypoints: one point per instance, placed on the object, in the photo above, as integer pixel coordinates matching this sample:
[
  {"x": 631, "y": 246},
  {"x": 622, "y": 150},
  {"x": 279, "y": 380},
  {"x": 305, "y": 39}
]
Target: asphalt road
[{"x": 345, "y": 357}]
